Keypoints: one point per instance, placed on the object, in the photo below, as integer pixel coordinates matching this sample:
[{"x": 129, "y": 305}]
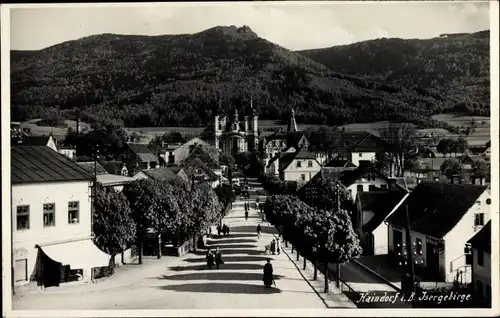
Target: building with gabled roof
[
  {"x": 138, "y": 156},
  {"x": 373, "y": 209},
  {"x": 442, "y": 217},
  {"x": 480, "y": 248},
  {"x": 164, "y": 173},
  {"x": 295, "y": 165},
  {"x": 47, "y": 141},
  {"x": 51, "y": 218}
]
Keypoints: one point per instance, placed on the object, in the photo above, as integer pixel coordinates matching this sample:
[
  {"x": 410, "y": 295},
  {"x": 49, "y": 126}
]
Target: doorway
[{"x": 432, "y": 258}]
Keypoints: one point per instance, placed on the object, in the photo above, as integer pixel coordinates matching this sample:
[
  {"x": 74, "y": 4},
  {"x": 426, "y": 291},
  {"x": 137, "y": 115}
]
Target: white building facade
[{"x": 51, "y": 221}]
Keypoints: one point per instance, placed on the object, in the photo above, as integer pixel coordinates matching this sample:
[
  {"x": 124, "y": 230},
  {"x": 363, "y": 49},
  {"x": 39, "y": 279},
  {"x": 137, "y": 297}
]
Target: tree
[
  {"x": 326, "y": 194},
  {"x": 112, "y": 222},
  {"x": 336, "y": 241},
  {"x": 480, "y": 169},
  {"x": 400, "y": 140},
  {"x": 445, "y": 146},
  {"x": 150, "y": 204},
  {"x": 451, "y": 167},
  {"x": 461, "y": 145}
]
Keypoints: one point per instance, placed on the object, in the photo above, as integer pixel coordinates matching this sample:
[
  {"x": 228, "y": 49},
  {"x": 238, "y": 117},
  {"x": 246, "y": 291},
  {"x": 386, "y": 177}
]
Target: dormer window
[{"x": 299, "y": 164}]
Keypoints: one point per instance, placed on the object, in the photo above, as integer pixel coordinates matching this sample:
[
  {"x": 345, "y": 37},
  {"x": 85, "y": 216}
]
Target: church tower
[
  {"x": 252, "y": 128},
  {"x": 292, "y": 124}
]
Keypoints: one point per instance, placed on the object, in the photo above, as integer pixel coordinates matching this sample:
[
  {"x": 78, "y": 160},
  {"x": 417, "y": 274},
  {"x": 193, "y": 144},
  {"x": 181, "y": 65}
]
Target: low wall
[{"x": 124, "y": 258}]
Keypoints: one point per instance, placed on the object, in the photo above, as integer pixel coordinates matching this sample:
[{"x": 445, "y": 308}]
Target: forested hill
[
  {"x": 174, "y": 80},
  {"x": 457, "y": 65}
]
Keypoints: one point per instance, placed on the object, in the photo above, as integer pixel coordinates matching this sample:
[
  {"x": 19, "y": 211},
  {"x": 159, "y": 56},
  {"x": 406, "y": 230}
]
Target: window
[
  {"x": 23, "y": 217},
  {"x": 479, "y": 219},
  {"x": 49, "y": 214},
  {"x": 21, "y": 270},
  {"x": 310, "y": 163},
  {"x": 303, "y": 177},
  {"x": 418, "y": 247},
  {"x": 360, "y": 188},
  {"x": 360, "y": 155},
  {"x": 73, "y": 212},
  {"x": 372, "y": 187},
  {"x": 480, "y": 258},
  {"x": 299, "y": 164},
  {"x": 383, "y": 186}
]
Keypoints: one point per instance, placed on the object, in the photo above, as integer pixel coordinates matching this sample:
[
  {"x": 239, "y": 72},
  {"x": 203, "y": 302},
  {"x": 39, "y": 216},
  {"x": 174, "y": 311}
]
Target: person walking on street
[
  {"x": 259, "y": 229},
  {"x": 227, "y": 230},
  {"x": 246, "y": 215},
  {"x": 219, "y": 230},
  {"x": 210, "y": 258},
  {"x": 218, "y": 258},
  {"x": 278, "y": 246},
  {"x": 273, "y": 246},
  {"x": 268, "y": 274}
]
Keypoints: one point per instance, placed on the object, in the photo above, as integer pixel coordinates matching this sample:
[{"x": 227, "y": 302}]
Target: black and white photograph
[{"x": 251, "y": 158}]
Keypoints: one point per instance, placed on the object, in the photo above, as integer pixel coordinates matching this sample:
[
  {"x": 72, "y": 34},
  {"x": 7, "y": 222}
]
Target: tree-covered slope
[
  {"x": 456, "y": 65},
  {"x": 175, "y": 80}
]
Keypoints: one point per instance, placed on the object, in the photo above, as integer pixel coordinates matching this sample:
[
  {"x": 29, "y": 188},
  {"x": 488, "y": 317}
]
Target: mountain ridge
[{"x": 171, "y": 80}]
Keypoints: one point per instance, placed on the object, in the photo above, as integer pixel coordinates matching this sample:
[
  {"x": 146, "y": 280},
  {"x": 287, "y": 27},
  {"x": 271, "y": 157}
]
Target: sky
[{"x": 294, "y": 26}]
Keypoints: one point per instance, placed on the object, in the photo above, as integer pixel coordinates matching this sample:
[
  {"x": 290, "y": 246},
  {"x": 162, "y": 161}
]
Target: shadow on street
[
  {"x": 221, "y": 246},
  {"x": 232, "y": 241},
  {"x": 226, "y": 288},
  {"x": 231, "y": 259},
  {"x": 226, "y": 266},
  {"x": 250, "y": 229},
  {"x": 213, "y": 274}
]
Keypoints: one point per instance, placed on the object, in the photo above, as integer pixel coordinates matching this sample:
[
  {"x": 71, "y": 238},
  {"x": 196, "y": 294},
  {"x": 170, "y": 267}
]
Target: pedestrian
[
  {"x": 268, "y": 274},
  {"x": 224, "y": 229},
  {"x": 219, "y": 230},
  {"x": 218, "y": 258},
  {"x": 273, "y": 246},
  {"x": 259, "y": 229},
  {"x": 278, "y": 246},
  {"x": 210, "y": 258},
  {"x": 227, "y": 230}
]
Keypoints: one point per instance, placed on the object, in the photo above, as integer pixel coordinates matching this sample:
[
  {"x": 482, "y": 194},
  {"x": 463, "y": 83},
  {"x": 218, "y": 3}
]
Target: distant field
[{"x": 480, "y": 136}]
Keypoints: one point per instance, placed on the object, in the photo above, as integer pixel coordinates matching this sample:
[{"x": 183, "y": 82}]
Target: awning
[{"x": 78, "y": 254}]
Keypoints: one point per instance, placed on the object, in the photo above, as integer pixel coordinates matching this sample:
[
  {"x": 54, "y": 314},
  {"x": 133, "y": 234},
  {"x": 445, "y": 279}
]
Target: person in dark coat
[
  {"x": 227, "y": 230},
  {"x": 246, "y": 215},
  {"x": 224, "y": 229},
  {"x": 268, "y": 274},
  {"x": 219, "y": 230},
  {"x": 210, "y": 259},
  {"x": 259, "y": 229},
  {"x": 218, "y": 258}
]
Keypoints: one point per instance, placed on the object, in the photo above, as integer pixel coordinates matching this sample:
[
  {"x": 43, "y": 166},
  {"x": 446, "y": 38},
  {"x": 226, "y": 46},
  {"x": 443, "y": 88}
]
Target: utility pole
[
  {"x": 337, "y": 283},
  {"x": 410, "y": 268}
]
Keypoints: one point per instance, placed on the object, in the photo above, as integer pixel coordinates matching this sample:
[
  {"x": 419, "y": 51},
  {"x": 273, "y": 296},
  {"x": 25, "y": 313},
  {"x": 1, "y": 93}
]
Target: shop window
[
  {"x": 23, "y": 217},
  {"x": 74, "y": 212},
  {"x": 49, "y": 214}
]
